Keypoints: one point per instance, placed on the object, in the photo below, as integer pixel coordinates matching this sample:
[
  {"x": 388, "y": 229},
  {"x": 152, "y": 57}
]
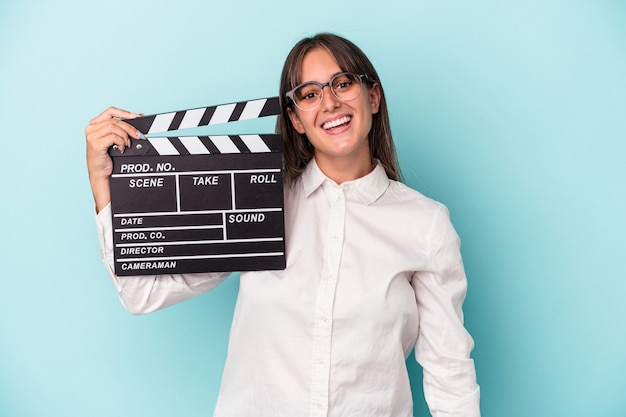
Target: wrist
[{"x": 101, "y": 192}]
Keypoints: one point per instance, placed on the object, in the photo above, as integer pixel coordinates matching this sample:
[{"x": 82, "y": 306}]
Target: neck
[{"x": 343, "y": 170}]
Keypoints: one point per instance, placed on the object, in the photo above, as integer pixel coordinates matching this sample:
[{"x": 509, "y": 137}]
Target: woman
[{"x": 373, "y": 267}]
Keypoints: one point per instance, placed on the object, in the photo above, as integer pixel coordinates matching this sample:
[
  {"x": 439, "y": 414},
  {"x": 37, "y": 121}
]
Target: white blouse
[{"x": 373, "y": 271}]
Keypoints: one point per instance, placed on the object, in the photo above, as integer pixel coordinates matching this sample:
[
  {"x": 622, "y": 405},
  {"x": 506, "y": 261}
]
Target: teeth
[{"x": 335, "y": 123}]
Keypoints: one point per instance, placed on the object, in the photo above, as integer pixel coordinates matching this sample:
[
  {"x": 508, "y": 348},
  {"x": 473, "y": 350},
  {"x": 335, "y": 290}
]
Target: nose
[{"x": 329, "y": 101}]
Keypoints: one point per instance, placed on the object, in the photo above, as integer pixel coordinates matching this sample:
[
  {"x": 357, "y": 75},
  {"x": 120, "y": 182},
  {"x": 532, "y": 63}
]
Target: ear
[
  {"x": 295, "y": 121},
  {"x": 375, "y": 95}
]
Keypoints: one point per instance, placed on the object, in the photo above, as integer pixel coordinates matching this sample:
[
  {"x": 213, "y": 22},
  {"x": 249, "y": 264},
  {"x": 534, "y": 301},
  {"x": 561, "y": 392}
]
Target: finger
[
  {"x": 114, "y": 112},
  {"x": 100, "y": 147},
  {"x": 110, "y": 126},
  {"x": 116, "y": 141},
  {"x": 105, "y": 135}
]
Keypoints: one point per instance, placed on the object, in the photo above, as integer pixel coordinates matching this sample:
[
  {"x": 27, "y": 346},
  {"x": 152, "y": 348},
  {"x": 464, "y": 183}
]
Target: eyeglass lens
[{"x": 345, "y": 87}]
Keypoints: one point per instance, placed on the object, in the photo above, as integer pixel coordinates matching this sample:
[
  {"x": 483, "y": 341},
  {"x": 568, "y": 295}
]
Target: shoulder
[
  {"x": 424, "y": 217},
  {"x": 415, "y": 214},
  {"x": 413, "y": 200}
]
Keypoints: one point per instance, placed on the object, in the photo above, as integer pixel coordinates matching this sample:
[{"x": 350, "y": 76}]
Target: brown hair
[{"x": 297, "y": 148}]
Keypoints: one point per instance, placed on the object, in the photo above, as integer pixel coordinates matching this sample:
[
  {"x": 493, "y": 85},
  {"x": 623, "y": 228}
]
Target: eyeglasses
[{"x": 345, "y": 86}]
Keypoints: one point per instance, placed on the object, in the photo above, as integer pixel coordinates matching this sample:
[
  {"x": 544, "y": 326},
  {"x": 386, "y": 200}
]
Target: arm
[
  {"x": 443, "y": 346},
  {"x": 138, "y": 294}
]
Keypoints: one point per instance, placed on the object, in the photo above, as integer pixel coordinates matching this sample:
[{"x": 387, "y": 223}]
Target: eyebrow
[{"x": 331, "y": 77}]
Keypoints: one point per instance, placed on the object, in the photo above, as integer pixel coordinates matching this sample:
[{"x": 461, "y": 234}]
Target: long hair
[{"x": 297, "y": 148}]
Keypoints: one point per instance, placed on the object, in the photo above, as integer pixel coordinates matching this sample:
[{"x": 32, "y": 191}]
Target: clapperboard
[{"x": 190, "y": 204}]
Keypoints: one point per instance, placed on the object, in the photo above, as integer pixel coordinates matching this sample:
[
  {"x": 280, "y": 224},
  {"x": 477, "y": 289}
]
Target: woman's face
[{"x": 337, "y": 129}]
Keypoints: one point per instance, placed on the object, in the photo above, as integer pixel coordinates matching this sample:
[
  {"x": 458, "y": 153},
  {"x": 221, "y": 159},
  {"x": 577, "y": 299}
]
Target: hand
[{"x": 103, "y": 132}]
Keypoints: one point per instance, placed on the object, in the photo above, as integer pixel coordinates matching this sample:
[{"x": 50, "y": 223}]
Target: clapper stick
[
  {"x": 203, "y": 116},
  {"x": 189, "y": 204}
]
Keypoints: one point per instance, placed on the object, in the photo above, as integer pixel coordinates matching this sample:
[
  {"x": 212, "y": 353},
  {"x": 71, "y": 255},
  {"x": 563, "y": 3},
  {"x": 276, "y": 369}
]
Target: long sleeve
[
  {"x": 147, "y": 293},
  {"x": 443, "y": 346}
]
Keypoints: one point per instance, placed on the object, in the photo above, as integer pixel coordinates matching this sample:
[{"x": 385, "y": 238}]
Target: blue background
[{"x": 512, "y": 113}]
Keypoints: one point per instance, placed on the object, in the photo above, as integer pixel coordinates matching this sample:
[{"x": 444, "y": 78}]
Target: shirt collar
[{"x": 369, "y": 188}]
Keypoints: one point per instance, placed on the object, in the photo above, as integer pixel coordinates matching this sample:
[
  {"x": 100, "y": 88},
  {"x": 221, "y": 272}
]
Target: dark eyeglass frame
[{"x": 361, "y": 77}]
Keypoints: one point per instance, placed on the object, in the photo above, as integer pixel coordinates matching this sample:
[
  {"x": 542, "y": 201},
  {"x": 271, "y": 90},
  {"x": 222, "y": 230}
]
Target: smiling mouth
[{"x": 337, "y": 122}]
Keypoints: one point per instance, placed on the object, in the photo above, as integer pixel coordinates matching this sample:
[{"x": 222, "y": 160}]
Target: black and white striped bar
[
  {"x": 203, "y": 116},
  {"x": 204, "y": 145}
]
